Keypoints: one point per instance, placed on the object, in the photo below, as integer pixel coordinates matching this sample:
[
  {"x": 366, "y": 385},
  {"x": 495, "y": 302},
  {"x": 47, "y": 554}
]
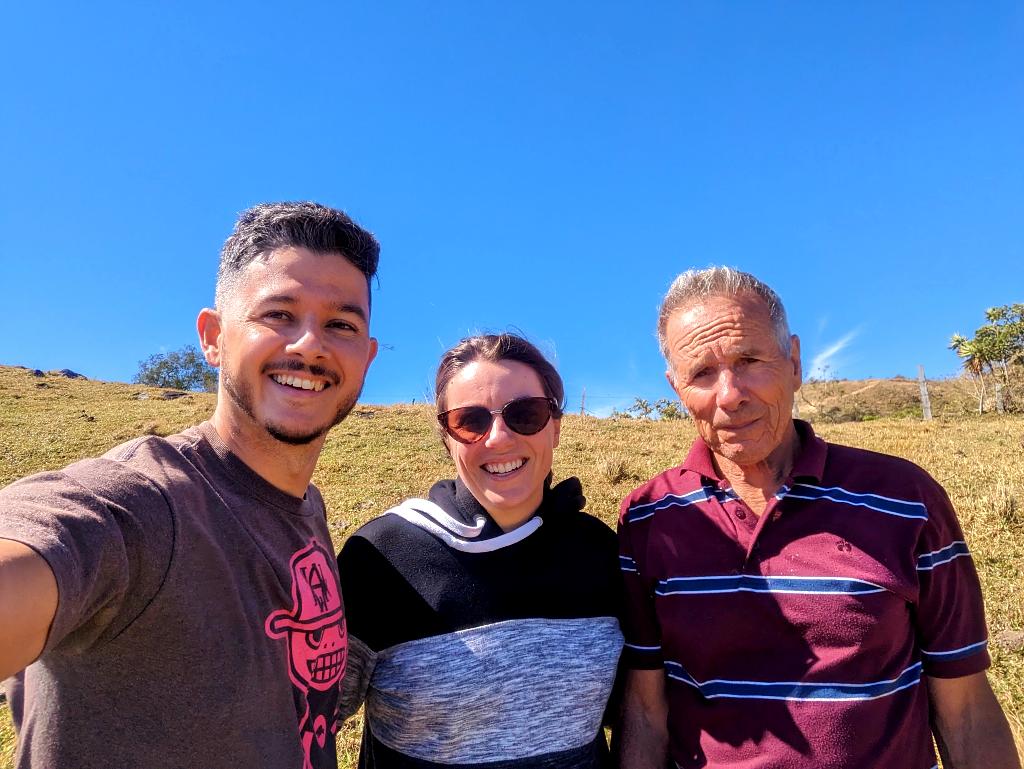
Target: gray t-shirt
[{"x": 199, "y": 621}]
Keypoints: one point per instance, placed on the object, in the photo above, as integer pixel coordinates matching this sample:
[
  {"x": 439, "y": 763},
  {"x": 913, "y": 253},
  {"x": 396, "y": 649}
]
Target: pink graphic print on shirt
[{"x": 314, "y": 627}]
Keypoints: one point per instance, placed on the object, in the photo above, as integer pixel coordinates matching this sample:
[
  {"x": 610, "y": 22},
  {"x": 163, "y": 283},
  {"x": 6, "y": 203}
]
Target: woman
[{"x": 482, "y": 621}]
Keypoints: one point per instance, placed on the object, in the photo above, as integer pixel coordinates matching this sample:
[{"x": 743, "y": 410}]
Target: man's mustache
[{"x": 294, "y": 365}]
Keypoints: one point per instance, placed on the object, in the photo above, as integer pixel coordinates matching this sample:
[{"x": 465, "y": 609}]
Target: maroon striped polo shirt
[{"x": 800, "y": 638}]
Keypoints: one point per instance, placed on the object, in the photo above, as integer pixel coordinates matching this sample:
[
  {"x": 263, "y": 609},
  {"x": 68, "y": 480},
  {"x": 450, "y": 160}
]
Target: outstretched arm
[
  {"x": 970, "y": 728},
  {"x": 28, "y": 603},
  {"x": 643, "y": 735}
]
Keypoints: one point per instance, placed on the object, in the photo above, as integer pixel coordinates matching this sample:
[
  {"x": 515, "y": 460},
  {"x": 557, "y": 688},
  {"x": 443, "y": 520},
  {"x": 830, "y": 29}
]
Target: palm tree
[{"x": 974, "y": 363}]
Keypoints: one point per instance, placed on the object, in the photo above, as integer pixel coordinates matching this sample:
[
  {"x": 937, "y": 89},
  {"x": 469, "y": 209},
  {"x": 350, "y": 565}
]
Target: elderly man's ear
[
  {"x": 671, "y": 378},
  {"x": 794, "y": 356}
]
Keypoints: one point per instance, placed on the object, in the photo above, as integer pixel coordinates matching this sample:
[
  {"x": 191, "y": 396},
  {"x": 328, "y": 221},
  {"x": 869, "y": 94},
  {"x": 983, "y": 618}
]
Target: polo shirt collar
[
  {"x": 810, "y": 460},
  {"x": 699, "y": 461},
  {"x": 809, "y": 463}
]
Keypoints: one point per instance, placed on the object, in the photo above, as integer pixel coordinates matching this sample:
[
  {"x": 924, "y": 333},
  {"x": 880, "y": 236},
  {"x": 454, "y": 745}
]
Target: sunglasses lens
[
  {"x": 527, "y": 416},
  {"x": 468, "y": 424}
]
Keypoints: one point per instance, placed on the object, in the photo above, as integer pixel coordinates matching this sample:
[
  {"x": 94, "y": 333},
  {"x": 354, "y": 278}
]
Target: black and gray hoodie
[{"x": 474, "y": 646}]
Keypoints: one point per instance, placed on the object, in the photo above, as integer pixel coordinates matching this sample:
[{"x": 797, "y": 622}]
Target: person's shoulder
[
  {"x": 876, "y": 472},
  {"x": 590, "y": 526},
  {"x": 137, "y": 471},
  {"x": 95, "y": 503},
  {"x": 151, "y": 459},
  {"x": 387, "y": 530},
  {"x": 662, "y": 487},
  {"x": 153, "y": 448},
  {"x": 378, "y": 545},
  {"x": 382, "y": 527},
  {"x": 865, "y": 461},
  {"x": 668, "y": 480},
  {"x": 389, "y": 527}
]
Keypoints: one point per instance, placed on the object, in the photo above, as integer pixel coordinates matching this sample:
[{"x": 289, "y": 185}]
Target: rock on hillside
[{"x": 64, "y": 372}]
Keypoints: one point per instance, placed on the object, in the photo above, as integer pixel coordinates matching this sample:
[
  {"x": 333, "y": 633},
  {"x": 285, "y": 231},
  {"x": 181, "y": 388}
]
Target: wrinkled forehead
[{"x": 738, "y": 322}]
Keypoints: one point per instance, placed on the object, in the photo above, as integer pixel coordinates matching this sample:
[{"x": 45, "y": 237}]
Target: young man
[
  {"x": 175, "y": 602},
  {"x": 793, "y": 604}
]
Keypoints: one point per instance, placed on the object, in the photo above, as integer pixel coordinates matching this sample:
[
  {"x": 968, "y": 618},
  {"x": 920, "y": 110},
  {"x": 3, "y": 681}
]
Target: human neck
[
  {"x": 286, "y": 467},
  {"x": 508, "y": 520},
  {"x": 757, "y": 483}
]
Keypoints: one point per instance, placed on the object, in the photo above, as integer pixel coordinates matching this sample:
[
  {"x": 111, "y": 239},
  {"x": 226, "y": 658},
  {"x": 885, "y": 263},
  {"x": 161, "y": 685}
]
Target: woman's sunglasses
[{"x": 526, "y": 416}]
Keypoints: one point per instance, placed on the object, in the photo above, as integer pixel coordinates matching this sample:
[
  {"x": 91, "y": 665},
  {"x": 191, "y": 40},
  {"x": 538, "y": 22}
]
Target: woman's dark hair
[{"x": 494, "y": 348}]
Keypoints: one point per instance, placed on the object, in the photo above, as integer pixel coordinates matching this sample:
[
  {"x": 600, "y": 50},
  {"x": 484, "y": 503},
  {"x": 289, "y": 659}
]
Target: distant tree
[
  {"x": 974, "y": 365},
  {"x": 669, "y": 409},
  {"x": 1003, "y": 337},
  {"x": 997, "y": 349},
  {"x": 641, "y": 408},
  {"x": 644, "y": 409},
  {"x": 184, "y": 369}
]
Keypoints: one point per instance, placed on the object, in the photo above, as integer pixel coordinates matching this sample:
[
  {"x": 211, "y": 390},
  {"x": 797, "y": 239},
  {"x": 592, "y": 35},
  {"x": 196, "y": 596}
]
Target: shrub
[{"x": 184, "y": 369}]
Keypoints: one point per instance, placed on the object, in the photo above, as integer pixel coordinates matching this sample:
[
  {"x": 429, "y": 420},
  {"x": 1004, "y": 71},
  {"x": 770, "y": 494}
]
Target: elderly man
[
  {"x": 792, "y": 603},
  {"x": 175, "y": 603}
]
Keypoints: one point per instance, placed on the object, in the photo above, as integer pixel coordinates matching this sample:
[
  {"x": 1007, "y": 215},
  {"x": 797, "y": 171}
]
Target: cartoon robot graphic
[{"x": 314, "y": 627}]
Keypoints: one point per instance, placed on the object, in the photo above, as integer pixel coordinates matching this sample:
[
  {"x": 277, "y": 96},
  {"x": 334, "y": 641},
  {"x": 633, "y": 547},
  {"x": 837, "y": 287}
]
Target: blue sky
[{"x": 545, "y": 167}]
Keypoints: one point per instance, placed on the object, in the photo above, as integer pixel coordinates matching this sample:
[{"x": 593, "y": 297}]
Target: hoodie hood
[{"x": 453, "y": 515}]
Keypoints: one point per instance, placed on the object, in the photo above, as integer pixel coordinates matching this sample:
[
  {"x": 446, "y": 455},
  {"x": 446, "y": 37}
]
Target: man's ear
[
  {"x": 794, "y": 356},
  {"x": 371, "y": 354},
  {"x": 209, "y": 328},
  {"x": 670, "y": 378}
]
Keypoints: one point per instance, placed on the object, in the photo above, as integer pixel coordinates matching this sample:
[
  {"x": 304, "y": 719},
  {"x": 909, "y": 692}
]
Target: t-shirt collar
[{"x": 247, "y": 479}]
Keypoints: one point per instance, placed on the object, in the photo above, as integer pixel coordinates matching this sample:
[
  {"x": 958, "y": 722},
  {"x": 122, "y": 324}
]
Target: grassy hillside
[
  {"x": 382, "y": 454},
  {"x": 846, "y": 400}
]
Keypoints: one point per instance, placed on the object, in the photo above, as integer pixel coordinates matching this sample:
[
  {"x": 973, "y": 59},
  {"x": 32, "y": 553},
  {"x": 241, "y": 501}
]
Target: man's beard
[{"x": 241, "y": 394}]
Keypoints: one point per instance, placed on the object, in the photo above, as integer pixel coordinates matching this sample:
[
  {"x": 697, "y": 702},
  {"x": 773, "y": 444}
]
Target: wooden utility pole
[
  {"x": 926, "y": 403},
  {"x": 583, "y": 403}
]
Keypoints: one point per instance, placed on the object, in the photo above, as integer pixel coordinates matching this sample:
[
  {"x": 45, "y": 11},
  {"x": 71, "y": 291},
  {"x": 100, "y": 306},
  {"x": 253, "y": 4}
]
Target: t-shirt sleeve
[
  {"x": 950, "y": 617},
  {"x": 642, "y": 633},
  {"x": 97, "y": 540}
]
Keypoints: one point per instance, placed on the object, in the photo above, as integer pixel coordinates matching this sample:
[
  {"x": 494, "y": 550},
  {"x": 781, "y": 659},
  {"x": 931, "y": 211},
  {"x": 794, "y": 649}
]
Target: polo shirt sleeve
[
  {"x": 106, "y": 537},
  {"x": 950, "y": 618},
  {"x": 642, "y": 650}
]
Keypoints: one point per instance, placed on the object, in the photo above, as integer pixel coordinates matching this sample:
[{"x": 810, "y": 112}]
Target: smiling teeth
[
  {"x": 505, "y": 467},
  {"x": 302, "y": 384}
]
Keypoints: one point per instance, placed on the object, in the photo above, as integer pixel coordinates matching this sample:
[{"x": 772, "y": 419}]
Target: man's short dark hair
[{"x": 266, "y": 227}]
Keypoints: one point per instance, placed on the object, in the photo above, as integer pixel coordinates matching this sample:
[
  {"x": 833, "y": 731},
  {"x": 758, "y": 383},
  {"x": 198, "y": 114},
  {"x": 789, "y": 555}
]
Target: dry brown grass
[
  {"x": 842, "y": 400},
  {"x": 381, "y": 455}
]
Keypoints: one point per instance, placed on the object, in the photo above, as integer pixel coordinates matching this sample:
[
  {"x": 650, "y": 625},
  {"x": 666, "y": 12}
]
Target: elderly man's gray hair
[{"x": 693, "y": 286}]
